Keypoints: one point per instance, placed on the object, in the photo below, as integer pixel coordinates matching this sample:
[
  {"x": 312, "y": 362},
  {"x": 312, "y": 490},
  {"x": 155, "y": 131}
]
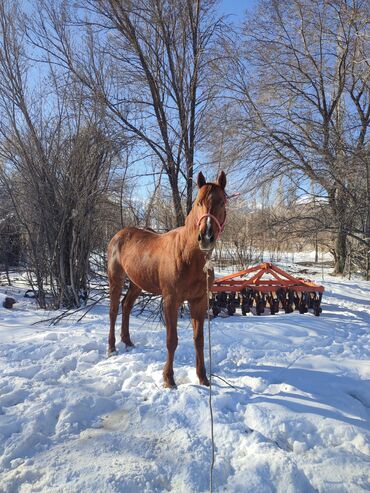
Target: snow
[{"x": 294, "y": 415}]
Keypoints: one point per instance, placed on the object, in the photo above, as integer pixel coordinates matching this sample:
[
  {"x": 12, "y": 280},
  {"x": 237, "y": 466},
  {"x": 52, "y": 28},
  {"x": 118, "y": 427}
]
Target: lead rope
[{"x": 208, "y": 265}]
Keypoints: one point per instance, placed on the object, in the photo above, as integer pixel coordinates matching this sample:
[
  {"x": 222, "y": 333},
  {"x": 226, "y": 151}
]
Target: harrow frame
[{"x": 280, "y": 290}]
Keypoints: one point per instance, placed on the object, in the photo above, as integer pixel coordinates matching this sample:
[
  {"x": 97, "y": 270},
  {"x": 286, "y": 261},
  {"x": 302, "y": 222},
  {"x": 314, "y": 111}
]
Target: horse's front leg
[
  {"x": 170, "y": 308},
  {"x": 198, "y": 310}
]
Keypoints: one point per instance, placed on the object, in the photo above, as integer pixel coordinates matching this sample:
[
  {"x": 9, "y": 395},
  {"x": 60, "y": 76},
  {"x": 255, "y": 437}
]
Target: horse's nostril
[
  {"x": 212, "y": 238},
  {"x": 199, "y": 237}
]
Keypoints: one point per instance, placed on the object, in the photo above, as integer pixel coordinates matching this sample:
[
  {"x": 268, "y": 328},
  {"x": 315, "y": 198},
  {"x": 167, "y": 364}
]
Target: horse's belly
[
  {"x": 147, "y": 286},
  {"x": 143, "y": 275}
]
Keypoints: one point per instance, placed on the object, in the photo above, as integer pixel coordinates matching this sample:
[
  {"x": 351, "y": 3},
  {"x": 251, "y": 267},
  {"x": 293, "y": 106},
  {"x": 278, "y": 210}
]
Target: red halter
[{"x": 220, "y": 226}]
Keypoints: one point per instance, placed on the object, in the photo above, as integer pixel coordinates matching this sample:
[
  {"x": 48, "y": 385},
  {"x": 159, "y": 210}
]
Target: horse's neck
[{"x": 189, "y": 240}]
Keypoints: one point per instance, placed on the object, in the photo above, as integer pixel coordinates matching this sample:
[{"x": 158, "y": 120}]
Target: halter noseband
[{"x": 220, "y": 226}]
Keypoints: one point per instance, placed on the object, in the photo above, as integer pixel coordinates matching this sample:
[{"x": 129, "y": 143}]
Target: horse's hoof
[
  {"x": 112, "y": 352},
  {"x": 169, "y": 385},
  {"x": 128, "y": 344},
  {"x": 204, "y": 381}
]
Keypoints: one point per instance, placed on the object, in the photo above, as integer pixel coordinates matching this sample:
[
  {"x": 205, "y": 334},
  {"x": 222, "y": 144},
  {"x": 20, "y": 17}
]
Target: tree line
[{"x": 99, "y": 96}]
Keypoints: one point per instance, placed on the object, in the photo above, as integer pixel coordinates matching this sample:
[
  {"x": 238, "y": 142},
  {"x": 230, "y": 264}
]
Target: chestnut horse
[{"x": 171, "y": 265}]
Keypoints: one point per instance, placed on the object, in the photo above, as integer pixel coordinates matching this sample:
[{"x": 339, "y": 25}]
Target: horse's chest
[{"x": 192, "y": 282}]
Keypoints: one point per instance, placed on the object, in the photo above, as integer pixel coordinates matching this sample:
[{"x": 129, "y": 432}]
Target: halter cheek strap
[{"x": 220, "y": 226}]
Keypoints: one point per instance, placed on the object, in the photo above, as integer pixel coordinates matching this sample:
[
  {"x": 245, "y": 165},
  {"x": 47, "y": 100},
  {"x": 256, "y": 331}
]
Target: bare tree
[
  {"x": 147, "y": 62},
  {"x": 56, "y": 161},
  {"x": 10, "y": 234},
  {"x": 297, "y": 95}
]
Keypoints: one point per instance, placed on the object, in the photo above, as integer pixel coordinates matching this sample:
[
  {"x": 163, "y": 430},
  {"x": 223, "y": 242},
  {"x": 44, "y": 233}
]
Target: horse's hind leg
[
  {"x": 127, "y": 304},
  {"x": 115, "y": 289}
]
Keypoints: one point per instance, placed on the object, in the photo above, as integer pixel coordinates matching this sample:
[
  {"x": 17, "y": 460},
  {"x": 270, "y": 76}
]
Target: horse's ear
[
  {"x": 221, "y": 180},
  {"x": 201, "y": 180}
]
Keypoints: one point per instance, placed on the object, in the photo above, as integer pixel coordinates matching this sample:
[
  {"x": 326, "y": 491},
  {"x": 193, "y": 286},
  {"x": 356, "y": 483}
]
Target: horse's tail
[
  {"x": 115, "y": 267},
  {"x": 116, "y": 276}
]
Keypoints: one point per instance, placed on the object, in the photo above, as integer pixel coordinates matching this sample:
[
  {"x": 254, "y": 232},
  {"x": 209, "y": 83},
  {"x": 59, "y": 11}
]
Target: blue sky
[{"x": 236, "y": 8}]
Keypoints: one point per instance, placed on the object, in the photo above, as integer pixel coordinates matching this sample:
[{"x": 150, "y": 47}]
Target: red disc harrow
[{"x": 265, "y": 285}]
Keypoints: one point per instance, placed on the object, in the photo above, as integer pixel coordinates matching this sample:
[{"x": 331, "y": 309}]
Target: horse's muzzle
[{"x": 206, "y": 241}]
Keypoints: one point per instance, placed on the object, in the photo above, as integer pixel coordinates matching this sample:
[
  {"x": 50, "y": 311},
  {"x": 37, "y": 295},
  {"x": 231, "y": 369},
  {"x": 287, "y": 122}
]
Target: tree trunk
[
  {"x": 180, "y": 218},
  {"x": 189, "y": 189},
  {"x": 338, "y": 205},
  {"x": 340, "y": 252},
  {"x": 367, "y": 221},
  {"x": 179, "y": 213}
]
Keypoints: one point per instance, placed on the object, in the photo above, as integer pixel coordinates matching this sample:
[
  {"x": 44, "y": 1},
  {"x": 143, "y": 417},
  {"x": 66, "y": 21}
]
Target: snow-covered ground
[{"x": 296, "y": 419}]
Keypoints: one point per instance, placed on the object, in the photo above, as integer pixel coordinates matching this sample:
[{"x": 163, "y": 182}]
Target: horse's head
[{"x": 210, "y": 209}]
